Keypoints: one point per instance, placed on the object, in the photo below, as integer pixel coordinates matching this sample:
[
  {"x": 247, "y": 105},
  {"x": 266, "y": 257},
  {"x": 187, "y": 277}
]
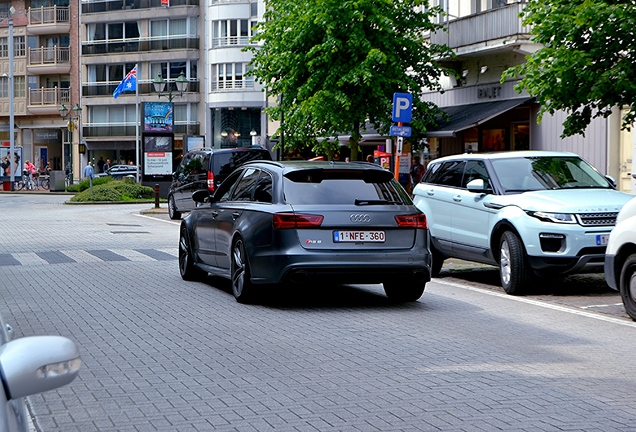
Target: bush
[
  {"x": 115, "y": 190},
  {"x": 84, "y": 184}
]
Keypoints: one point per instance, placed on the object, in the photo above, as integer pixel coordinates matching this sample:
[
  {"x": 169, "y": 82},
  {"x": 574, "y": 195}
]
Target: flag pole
[{"x": 138, "y": 160}]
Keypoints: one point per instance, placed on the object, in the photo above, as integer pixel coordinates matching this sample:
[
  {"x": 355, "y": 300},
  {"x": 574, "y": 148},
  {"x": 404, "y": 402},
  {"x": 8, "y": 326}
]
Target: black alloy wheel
[{"x": 242, "y": 287}]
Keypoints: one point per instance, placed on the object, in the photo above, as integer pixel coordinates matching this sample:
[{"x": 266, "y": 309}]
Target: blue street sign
[
  {"x": 402, "y": 107},
  {"x": 403, "y": 131}
]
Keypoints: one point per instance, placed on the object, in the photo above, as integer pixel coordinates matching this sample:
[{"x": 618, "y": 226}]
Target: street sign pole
[{"x": 398, "y": 153}]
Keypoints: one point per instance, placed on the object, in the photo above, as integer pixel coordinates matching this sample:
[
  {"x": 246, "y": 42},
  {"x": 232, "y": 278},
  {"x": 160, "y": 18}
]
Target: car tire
[
  {"x": 172, "y": 209},
  {"x": 627, "y": 286},
  {"x": 187, "y": 268},
  {"x": 404, "y": 291},
  {"x": 437, "y": 262},
  {"x": 242, "y": 286},
  {"x": 514, "y": 271}
]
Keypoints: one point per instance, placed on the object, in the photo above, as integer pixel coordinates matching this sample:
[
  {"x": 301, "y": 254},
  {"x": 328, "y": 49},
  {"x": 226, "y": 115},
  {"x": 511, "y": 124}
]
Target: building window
[
  {"x": 109, "y": 73},
  {"x": 231, "y": 32},
  {"x": 114, "y": 31},
  {"x": 231, "y": 76},
  {"x": 174, "y": 27},
  {"x": 19, "y": 46},
  {"x": 19, "y": 87},
  {"x": 254, "y": 9},
  {"x": 172, "y": 70}
]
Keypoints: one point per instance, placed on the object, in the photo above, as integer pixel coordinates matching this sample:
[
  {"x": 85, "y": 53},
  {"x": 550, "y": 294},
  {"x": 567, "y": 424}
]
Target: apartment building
[
  {"x": 44, "y": 71},
  {"x": 164, "y": 40},
  {"x": 487, "y": 37},
  {"x": 234, "y": 100}
]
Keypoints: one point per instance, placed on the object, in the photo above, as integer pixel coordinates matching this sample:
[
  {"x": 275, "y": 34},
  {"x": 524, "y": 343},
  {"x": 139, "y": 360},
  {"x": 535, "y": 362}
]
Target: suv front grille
[{"x": 597, "y": 219}]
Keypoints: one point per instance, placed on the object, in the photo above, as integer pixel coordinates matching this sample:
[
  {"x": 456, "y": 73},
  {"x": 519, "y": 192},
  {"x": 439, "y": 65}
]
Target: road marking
[
  {"x": 29, "y": 258},
  {"x": 541, "y": 304},
  {"x": 601, "y": 305},
  {"x": 173, "y": 222}
]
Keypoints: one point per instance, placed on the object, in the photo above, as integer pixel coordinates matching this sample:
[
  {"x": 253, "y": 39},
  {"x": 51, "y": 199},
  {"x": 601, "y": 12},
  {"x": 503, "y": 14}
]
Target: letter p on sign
[{"x": 402, "y": 107}]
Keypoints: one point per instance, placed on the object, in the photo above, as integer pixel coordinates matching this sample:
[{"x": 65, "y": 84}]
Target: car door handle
[
  {"x": 215, "y": 213},
  {"x": 430, "y": 192},
  {"x": 457, "y": 198},
  {"x": 235, "y": 215}
]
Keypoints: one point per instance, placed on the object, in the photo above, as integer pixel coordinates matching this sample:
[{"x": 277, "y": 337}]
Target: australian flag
[{"x": 129, "y": 83}]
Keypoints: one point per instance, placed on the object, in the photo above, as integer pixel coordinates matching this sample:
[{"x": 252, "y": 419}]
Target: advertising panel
[
  {"x": 4, "y": 160},
  {"x": 158, "y": 155},
  {"x": 158, "y": 117}
]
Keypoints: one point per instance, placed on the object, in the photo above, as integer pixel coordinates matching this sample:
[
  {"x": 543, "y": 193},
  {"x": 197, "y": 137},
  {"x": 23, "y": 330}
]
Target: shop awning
[{"x": 461, "y": 117}]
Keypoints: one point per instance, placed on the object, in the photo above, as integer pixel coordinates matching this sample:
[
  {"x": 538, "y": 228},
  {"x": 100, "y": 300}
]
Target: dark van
[{"x": 206, "y": 168}]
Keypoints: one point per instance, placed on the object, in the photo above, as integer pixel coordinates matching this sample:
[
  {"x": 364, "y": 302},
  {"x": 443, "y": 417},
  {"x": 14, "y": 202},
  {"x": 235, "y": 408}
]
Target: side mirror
[
  {"x": 476, "y": 185},
  {"x": 201, "y": 196},
  {"x": 36, "y": 364},
  {"x": 611, "y": 181}
]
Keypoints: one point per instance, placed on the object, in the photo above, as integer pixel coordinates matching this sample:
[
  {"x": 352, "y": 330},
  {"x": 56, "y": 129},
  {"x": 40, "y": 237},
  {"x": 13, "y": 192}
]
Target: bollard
[{"x": 156, "y": 195}]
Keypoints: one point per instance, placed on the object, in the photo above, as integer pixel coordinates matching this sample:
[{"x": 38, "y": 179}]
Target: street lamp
[
  {"x": 75, "y": 113},
  {"x": 11, "y": 100},
  {"x": 160, "y": 85}
]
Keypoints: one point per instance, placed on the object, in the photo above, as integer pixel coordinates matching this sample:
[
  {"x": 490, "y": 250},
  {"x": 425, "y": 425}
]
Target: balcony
[
  {"x": 145, "y": 88},
  {"x": 53, "y": 20},
  {"x": 232, "y": 85},
  {"x": 484, "y": 31},
  {"x": 128, "y": 130},
  {"x": 122, "y": 46},
  {"x": 49, "y": 60},
  {"x": 230, "y": 41},
  {"x": 47, "y": 101},
  {"x": 89, "y": 7}
]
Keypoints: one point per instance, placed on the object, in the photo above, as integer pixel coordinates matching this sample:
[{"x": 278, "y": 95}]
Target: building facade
[
  {"x": 44, "y": 68},
  {"x": 488, "y": 37}
]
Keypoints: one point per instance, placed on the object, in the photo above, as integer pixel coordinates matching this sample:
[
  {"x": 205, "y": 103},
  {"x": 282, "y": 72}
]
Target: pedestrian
[
  {"x": 370, "y": 158},
  {"x": 417, "y": 170},
  {"x": 100, "y": 164},
  {"x": 89, "y": 173},
  {"x": 106, "y": 165}
]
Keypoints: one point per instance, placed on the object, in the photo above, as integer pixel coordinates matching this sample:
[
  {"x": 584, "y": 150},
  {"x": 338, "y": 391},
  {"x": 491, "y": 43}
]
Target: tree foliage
[
  {"x": 337, "y": 63},
  {"x": 587, "y": 64}
]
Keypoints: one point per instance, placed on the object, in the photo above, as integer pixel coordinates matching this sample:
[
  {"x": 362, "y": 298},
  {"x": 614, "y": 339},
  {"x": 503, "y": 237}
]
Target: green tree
[
  {"x": 337, "y": 63},
  {"x": 587, "y": 64}
]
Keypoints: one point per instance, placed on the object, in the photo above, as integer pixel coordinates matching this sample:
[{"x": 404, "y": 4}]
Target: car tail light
[
  {"x": 417, "y": 221},
  {"x": 294, "y": 221},
  {"x": 210, "y": 181}
]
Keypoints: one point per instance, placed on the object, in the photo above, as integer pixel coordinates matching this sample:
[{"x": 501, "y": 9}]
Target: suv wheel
[
  {"x": 628, "y": 286},
  {"x": 172, "y": 209},
  {"x": 513, "y": 267}
]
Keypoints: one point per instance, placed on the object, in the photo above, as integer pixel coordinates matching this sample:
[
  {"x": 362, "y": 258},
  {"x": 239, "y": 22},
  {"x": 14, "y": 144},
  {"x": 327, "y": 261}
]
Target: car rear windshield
[
  {"x": 364, "y": 187},
  {"x": 541, "y": 173}
]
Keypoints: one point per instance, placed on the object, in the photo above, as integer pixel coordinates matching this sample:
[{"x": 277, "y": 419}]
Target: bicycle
[
  {"x": 44, "y": 181},
  {"x": 27, "y": 182}
]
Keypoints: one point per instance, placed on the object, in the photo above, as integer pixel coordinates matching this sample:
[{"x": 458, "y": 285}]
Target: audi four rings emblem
[{"x": 360, "y": 217}]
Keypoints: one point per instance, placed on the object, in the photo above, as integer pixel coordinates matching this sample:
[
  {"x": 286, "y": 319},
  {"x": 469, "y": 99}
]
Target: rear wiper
[{"x": 374, "y": 202}]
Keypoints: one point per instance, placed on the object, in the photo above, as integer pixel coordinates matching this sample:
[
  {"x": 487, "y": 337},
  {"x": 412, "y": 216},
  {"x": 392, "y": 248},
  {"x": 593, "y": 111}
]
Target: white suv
[
  {"x": 532, "y": 213},
  {"x": 620, "y": 260}
]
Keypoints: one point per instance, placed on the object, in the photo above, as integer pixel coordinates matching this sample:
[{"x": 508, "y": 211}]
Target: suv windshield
[
  {"x": 547, "y": 172},
  {"x": 343, "y": 187}
]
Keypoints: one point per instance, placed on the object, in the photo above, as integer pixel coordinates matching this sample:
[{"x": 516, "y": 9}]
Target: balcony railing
[
  {"x": 49, "y": 96},
  {"x": 117, "y": 5},
  {"x": 107, "y": 88},
  {"x": 231, "y": 41},
  {"x": 99, "y": 130},
  {"x": 48, "y": 55},
  {"x": 49, "y": 15},
  {"x": 482, "y": 27},
  {"x": 233, "y": 85},
  {"x": 114, "y": 46}
]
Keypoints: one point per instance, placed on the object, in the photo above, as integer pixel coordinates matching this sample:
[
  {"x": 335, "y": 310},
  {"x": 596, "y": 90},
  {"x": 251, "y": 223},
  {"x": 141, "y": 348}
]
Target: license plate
[
  {"x": 601, "y": 239},
  {"x": 358, "y": 236}
]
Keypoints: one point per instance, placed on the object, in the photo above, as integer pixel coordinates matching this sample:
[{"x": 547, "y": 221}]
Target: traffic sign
[
  {"x": 400, "y": 131},
  {"x": 402, "y": 107}
]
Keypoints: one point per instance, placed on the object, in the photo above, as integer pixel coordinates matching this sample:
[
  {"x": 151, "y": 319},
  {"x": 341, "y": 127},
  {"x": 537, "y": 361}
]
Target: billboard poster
[
  {"x": 4, "y": 159},
  {"x": 158, "y": 155},
  {"x": 158, "y": 117}
]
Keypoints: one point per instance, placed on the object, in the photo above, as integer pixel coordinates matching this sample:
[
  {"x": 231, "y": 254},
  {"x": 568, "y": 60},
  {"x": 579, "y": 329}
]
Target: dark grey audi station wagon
[{"x": 299, "y": 222}]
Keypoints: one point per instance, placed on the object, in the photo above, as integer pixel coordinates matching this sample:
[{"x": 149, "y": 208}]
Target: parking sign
[{"x": 402, "y": 107}]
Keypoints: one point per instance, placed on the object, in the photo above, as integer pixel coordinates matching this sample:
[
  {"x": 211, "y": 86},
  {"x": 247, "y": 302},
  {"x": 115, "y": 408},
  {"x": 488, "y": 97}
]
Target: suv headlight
[{"x": 566, "y": 218}]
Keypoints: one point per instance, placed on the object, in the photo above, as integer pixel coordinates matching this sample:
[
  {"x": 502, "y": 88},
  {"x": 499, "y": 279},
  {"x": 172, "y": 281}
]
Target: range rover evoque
[{"x": 531, "y": 213}]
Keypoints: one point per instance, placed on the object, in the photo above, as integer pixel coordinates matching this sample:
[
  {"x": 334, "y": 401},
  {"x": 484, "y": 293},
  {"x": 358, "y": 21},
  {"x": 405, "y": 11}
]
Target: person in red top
[{"x": 30, "y": 168}]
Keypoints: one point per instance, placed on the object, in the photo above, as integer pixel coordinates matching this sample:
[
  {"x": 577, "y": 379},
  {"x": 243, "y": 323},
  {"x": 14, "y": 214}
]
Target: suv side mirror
[{"x": 476, "y": 185}]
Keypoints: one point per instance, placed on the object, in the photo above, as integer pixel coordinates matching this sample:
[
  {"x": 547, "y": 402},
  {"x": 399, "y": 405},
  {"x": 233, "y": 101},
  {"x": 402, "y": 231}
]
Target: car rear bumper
[{"x": 342, "y": 267}]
